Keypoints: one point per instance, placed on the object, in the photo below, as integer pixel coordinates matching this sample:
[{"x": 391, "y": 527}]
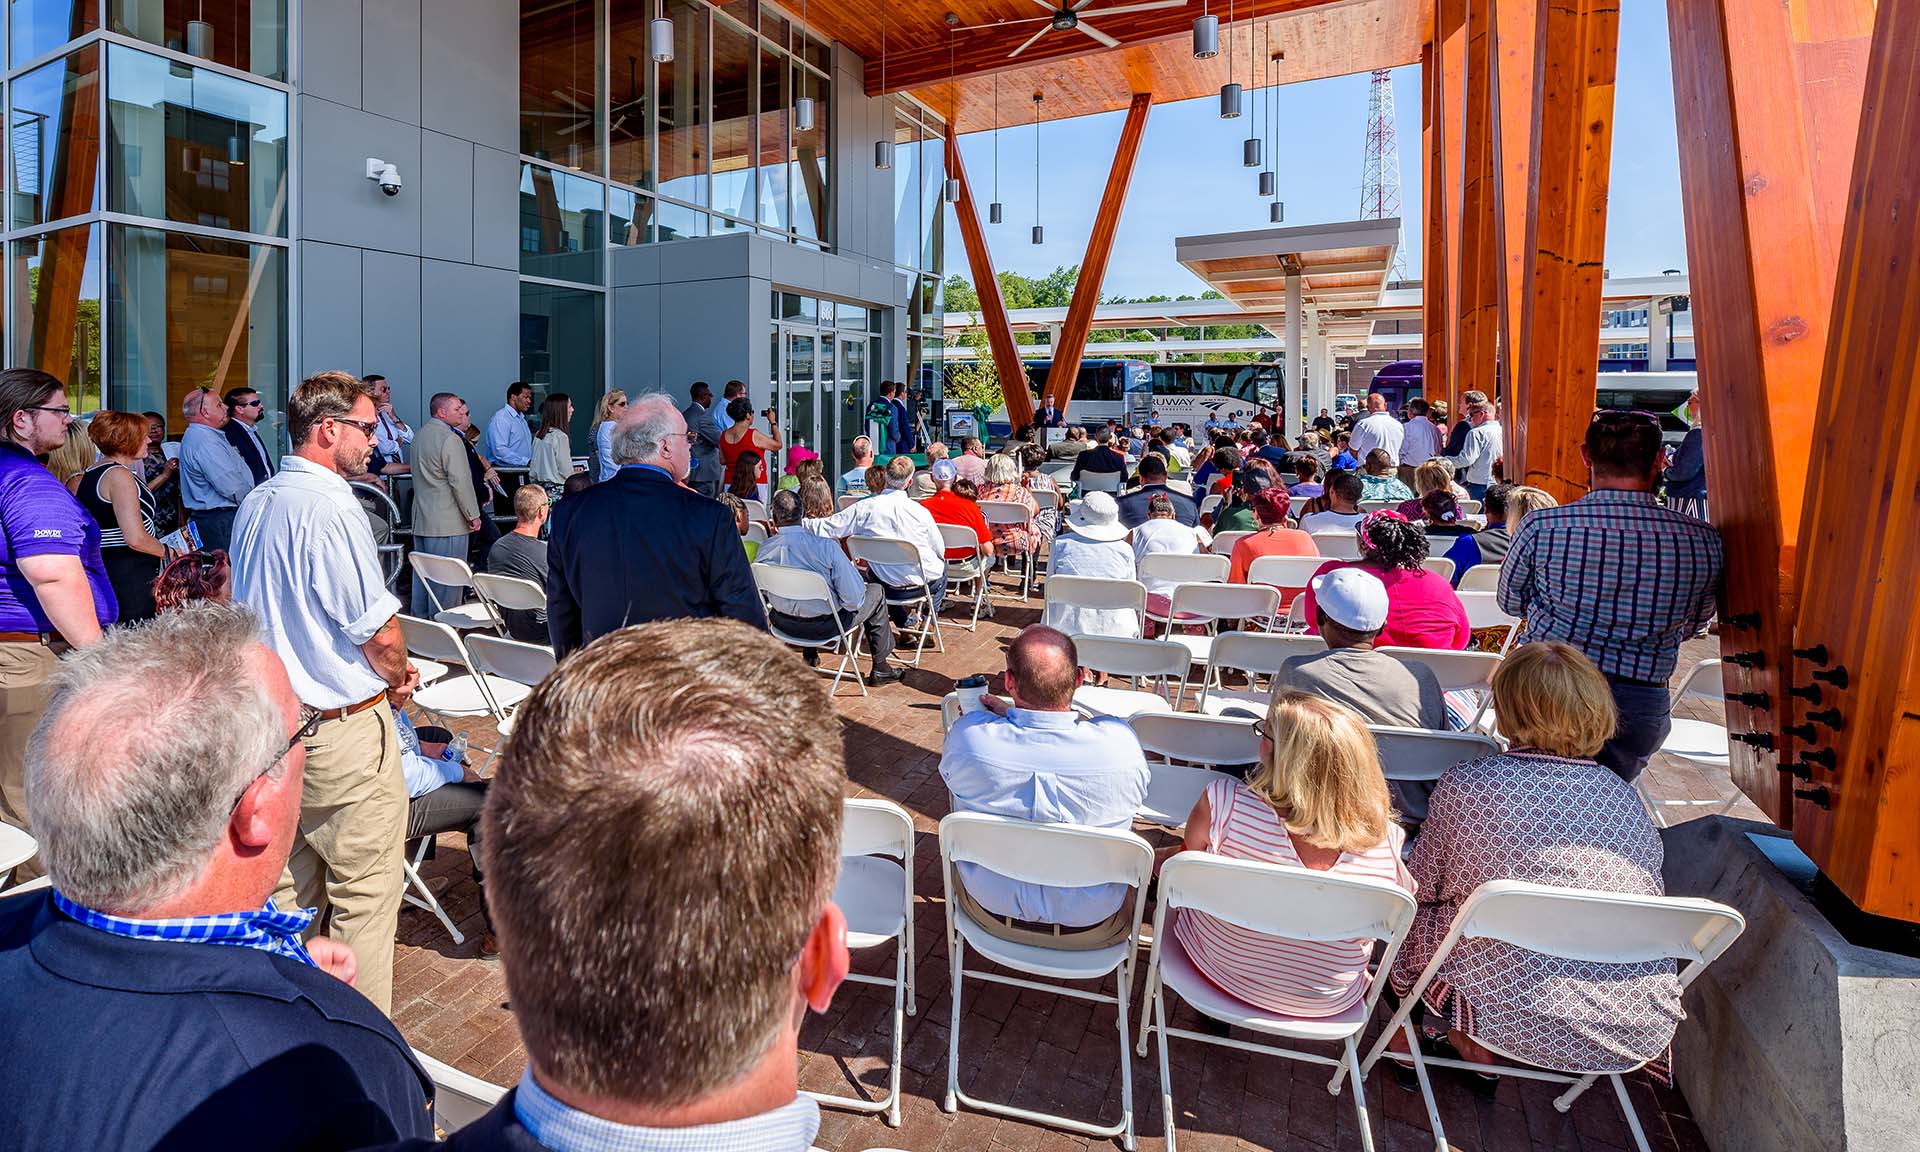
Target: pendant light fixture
[
  {"x": 1206, "y": 34},
  {"x": 200, "y": 34},
  {"x": 996, "y": 211},
  {"x": 1039, "y": 233},
  {"x": 803, "y": 107},
  {"x": 883, "y": 147},
  {"x": 1267, "y": 179},
  {"x": 1250, "y": 147},
  {"x": 951, "y": 193},
  {"x": 1230, "y": 92},
  {"x": 1276, "y": 212},
  {"x": 660, "y": 35}
]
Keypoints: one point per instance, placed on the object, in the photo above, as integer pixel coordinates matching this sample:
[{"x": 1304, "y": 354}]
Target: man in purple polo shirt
[{"x": 53, "y": 585}]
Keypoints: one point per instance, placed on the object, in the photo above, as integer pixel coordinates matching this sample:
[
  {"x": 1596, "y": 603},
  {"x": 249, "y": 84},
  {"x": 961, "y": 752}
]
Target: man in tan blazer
[{"x": 446, "y": 509}]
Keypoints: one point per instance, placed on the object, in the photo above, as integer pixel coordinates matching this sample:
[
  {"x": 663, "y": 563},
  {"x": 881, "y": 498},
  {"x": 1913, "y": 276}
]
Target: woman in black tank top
[{"x": 116, "y": 496}]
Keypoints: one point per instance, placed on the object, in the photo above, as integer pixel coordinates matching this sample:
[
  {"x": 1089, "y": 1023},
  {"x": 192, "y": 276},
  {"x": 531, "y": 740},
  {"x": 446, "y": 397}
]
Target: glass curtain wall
[
  {"x": 147, "y": 204},
  {"x": 919, "y": 175}
]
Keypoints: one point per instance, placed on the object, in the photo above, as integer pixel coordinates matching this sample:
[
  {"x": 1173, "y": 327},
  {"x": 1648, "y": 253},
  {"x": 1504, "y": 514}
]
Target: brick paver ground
[{"x": 1033, "y": 1049}]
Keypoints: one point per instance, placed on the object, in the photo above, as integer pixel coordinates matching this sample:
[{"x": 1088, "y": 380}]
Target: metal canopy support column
[
  {"x": 1319, "y": 381},
  {"x": 1659, "y": 332},
  {"x": 1293, "y": 389}
]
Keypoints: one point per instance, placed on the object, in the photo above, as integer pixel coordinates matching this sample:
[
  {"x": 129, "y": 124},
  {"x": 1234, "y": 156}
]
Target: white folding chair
[
  {"x": 36, "y": 884},
  {"x": 1209, "y": 604},
  {"x": 459, "y": 1099},
  {"x": 1008, "y": 513},
  {"x": 875, "y": 894},
  {"x": 1211, "y": 503},
  {"x": 1480, "y": 578},
  {"x": 1285, "y": 902},
  {"x": 1099, "y": 593},
  {"x": 1572, "y": 924},
  {"x": 1183, "y": 751},
  {"x": 972, "y": 570},
  {"x": 1456, "y": 671},
  {"x": 1423, "y": 755},
  {"x": 1161, "y": 661},
  {"x": 509, "y": 594},
  {"x": 16, "y": 848},
  {"x": 1699, "y": 742},
  {"x": 1377, "y": 505},
  {"x": 518, "y": 666},
  {"x": 1101, "y": 481},
  {"x": 1439, "y": 565},
  {"x": 1290, "y": 574},
  {"x": 756, "y": 510},
  {"x": 1484, "y": 611},
  {"x": 887, "y": 550},
  {"x": 809, "y": 587},
  {"x": 848, "y": 500},
  {"x": 1223, "y": 542},
  {"x": 756, "y": 532},
  {"x": 466, "y": 696},
  {"x": 1253, "y": 654},
  {"x": 452, "y": 572},
  {"x": 1469, "y": 507},
  {"x": 1182, "y": 568},
  {"x": 950, "y": 711},
  {"x": 1338, "y": 545},
  {"x": 1061, "y": 855}
]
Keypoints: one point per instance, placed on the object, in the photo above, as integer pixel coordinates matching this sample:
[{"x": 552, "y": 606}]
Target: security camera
[{"x": 384, "y": 174}]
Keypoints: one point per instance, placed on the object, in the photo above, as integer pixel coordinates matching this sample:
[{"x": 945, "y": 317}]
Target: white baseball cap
[{"x": 1352, "y": 598}]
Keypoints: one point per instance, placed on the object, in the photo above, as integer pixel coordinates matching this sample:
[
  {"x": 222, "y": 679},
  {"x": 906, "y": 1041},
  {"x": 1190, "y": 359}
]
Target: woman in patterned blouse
[{"x": 1546, "y": 813}]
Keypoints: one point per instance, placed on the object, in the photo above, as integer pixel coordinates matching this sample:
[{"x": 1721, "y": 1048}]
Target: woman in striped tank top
[{"x": 1316, "y": 800}]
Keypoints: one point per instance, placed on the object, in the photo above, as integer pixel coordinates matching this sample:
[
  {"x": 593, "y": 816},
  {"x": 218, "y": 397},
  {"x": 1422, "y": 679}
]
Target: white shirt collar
[{"x": 789, "y": 1128}]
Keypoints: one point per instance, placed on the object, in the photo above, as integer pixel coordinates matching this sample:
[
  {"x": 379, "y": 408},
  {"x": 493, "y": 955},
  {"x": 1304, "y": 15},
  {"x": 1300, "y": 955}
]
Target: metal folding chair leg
[{"x": 426, "y": 898}]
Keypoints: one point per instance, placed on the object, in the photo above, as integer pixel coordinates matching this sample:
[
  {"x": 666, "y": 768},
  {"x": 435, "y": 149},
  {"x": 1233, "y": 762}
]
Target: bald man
[
  {"x": 1038, "y": 760},
  {"x": 1378, "y": 429}
]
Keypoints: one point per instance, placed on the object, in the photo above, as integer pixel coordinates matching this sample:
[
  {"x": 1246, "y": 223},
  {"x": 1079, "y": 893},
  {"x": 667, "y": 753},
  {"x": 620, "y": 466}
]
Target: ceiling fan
[{"x": 1068, "y": 18}]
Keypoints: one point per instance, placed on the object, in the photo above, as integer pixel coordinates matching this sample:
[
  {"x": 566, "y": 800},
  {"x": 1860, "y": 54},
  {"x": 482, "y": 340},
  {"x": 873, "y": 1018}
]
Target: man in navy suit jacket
[
  {"x": 245, "y": 407},
  {"x": 639, "y": 546},
  {"x": 153, "y": 997}
]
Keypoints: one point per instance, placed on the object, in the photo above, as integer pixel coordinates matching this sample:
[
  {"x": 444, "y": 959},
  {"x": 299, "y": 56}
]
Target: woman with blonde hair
[
  {"x": 612, "y": 406},
  {"x": 1003, "y": 484},
  {"x": 1316, "y": 800},
  {"x": 1523, "y": 500},
  {"x": 1436, "y": 475},
  {"x": 1543, "y": 812},
  {"x": 74, "y": 457}
]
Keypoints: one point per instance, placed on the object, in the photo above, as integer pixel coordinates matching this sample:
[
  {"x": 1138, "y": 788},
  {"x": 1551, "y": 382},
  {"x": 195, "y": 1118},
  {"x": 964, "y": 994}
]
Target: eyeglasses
[
  {"x": 62, "y": 411},
  {"x": 309, "y": 723},
  {"x": 366, "y": 426},
  {"x": 1261, "y": 730}
]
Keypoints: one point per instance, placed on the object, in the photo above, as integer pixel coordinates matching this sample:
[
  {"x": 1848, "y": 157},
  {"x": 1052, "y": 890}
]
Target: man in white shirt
[
  {"x": 1485, "y": 443},
  {"x": 391, "y": 434},
  {"x": 1343, "y": 492},
  {"x": 304, "y": 561},
  {"x": 213, "y": 477},
  {"x": 1421, "y": 440},
  {"x": 855, "y": 478},
  {"x": 1040, "y": 761},
  {"x": 892, "y": 514},
  {"x": 509, "y": 442},
  {"x": 1378, "y": 429},
  {"x": 856, "y": 602}
]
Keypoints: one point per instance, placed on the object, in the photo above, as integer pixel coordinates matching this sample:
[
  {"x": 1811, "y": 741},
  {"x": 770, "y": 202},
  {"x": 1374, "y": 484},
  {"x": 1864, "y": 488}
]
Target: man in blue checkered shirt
[
  {"x": 1620, "y": 578},
  {"x": 153, "y": 997}
]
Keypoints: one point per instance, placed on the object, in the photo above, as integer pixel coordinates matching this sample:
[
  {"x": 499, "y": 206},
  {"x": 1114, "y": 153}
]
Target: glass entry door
[
  {"x": 800, "y": 380},
  {"x": 850, "y": 401}
]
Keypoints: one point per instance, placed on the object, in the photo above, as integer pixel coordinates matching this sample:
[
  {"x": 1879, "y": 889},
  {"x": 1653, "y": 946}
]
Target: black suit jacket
[
  {"x": 1133, "y": 506},
  {"x": 236, "y": 434},
  {"x": 498, "y": 1131},
  {"x": 1099, "y": 459},
  {"x": 638, "y": 547},
  {"x": 108, "y": 1043}
]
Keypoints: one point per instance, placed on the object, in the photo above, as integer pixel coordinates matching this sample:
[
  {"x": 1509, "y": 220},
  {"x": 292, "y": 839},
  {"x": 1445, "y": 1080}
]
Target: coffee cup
[{"x": 971, "y": 689}]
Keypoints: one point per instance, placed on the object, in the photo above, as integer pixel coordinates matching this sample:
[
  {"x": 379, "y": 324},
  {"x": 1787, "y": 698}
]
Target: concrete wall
[{"x": 422, "y": 286}]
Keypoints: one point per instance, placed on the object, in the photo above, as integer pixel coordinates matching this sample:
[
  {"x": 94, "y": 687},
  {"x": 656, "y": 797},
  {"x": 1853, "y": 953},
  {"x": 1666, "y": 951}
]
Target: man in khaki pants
[
  {"x": 304, "y": 560},
  {"x": 53, "y": 586}
]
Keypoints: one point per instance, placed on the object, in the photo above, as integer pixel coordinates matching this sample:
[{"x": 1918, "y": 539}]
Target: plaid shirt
[
  {"x": 1616, "y": 576},
  {"x": 269, "y": 929},
  {"x": 789, "y": 1128}
]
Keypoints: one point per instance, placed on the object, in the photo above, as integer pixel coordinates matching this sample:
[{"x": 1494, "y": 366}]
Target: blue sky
[{"x": 1189, "y": 179}]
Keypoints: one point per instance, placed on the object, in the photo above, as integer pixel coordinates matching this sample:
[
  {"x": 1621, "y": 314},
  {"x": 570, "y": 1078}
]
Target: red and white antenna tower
[{"x": 1380, "y": 181}]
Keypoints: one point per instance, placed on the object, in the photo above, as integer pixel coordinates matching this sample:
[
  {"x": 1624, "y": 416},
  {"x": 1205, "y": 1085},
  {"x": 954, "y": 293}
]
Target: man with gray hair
[
  {"x": 1485, "y": 444},
  {"x": 640, "y": 545},
  {"x": 893, "y": 515},
  {"x": 213, "y": 477},
  {"x": 154, "y": 996},
  {"x": 446, "y": 508}
]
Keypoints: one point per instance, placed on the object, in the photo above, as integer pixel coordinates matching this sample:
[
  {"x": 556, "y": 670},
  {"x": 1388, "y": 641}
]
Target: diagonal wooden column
[
  {"x": 1767, "y": 98},
  {"x": 1559, "y": 353},
  {"x": 1515, "y": 25},
  {"x": 993, "y": 308},
  {"x": 1858, "y": 566},
  {"x": 64, "y": 256},
  {"x": 1479, "y": 252},
  {"x": 1436, "y": 358},
  {"x": 1450, "y": 40},
  {"x": 1093, "y": 269}
]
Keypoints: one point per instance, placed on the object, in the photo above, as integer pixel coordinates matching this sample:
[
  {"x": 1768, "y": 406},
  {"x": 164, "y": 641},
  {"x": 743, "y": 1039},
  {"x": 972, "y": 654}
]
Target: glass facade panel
[
  {"x": 562, "y": 225},
  {"x": 562, "y": 46},
  {"x": 188, "y": 312},
  {"x": 933, "y": 180},
  {"x": 733, "y": 80},
  {"x": 250, "y": 35},
  {"x": 40, "y": 26},
  {"x": 676, "y": 222},
  {"x": 562, "y": 349},
  {"x": 56, "y": 310},
  {"x": 54, "y": 140},
  {"x": 906, "y": 190},
  {"x": 195, "y": 145},
  {"x": 807, "y": 174},
  {"x": 630, "y": 146},
  {"x": 684, "y": 105},
  {"x": 776, "y": 117},
  {"x": 627, "y": 214}
]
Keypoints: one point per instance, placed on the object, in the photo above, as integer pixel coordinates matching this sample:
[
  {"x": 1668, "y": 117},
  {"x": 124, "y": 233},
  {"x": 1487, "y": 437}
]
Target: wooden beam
[
  {"x": 1858, "y": 564},
  {"x": 1436, "y": 362},
  {"x": 1093, "y": 269},
  {"x": 993, "y": 308},
  {"x": 1576, "y": 46},
  {"x": 1515, "y": 90},
  {"x": 1478, "y": 256},
  {"x": 1451, "y": 40},
  {"x": 1767, "y": 99}
]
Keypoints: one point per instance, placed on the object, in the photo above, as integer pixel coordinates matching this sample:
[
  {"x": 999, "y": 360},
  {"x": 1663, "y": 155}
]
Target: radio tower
[{"x": 1380, "y": 183}]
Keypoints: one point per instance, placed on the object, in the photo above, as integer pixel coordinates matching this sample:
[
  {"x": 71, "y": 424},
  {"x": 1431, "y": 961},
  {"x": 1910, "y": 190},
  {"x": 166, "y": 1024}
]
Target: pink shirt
[
  {"x": 973, "y": 468},
  {"x": 1423, "y": 610},
  {"x": 1293, "y": 977}
]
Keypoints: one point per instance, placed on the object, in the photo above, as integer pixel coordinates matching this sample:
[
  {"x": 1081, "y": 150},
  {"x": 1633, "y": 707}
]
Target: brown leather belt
[
  {"x": 352, "y": 709},
  {"x": 47, "y": 639}
]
